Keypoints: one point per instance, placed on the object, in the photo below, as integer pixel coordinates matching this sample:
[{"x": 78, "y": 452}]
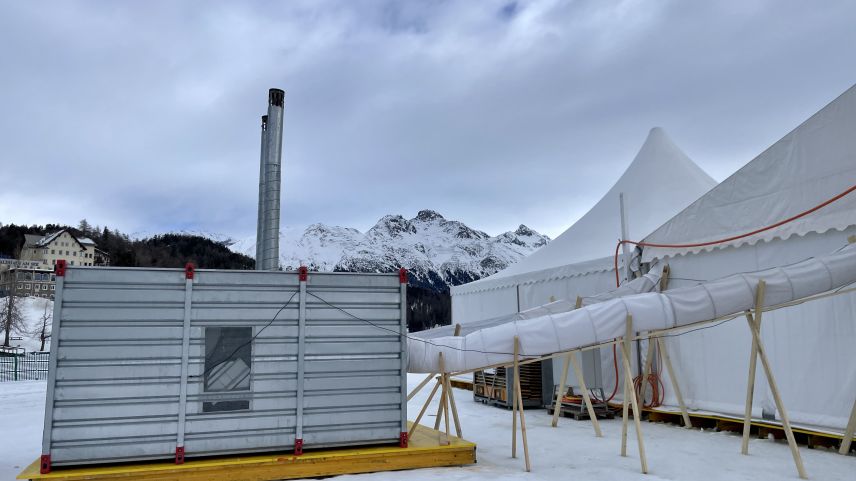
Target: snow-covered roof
[
  {"x": 31, "y": 239},
  {"x": 50, "y": 237},
  {"x": 659, "y": 182},
  {"x": 813, "y": 163},
  {"x": 46, "y": 240}
]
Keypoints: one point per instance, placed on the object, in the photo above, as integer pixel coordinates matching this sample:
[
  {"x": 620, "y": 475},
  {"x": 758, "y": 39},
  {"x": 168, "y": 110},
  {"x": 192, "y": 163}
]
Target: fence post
[{"x": 16, "y": 367}]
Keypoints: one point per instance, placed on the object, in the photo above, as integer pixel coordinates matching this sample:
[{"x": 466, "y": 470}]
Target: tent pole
[
  {"x": 753, "y": 363},
  {"x": 771, "y": 380},
  {"x": 625, "y": 406},
  {"x": 439, "y": 418},
  {"x": 445, "y": 398},
  {"x": 518, "y": 394},
  {"x": 649, "y": 357},
  {"x": 420, "y": 386},
  {"x": 848, "y": 433},
  {"x": 513, "y": 403},
  {"x": 628, "y": 378},
  {"x": 750, "y": 386},
  {"x": 424, "y": 408},
  {"x": 454, "y": 407},
  {"x": 661, "y": 344},
  {"x": 586, "y": 397},
  {"x": 557, "y": 407},
  {"x": 561, "y": 393},
  {"x": 442, "y": 407}
]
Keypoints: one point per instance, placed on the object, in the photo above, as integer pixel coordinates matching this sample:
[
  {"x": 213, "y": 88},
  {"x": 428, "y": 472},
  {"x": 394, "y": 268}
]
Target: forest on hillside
[
  {"x": 427, "y": 307},
  {"x": 165, "y": 250}
]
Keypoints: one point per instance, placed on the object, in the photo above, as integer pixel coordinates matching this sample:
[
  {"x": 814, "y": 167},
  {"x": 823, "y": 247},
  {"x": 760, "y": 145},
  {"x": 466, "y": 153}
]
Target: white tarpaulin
[
  {"x": 599, "y": 323},
  {"x": 659, "y": 182},
  {"x": 813, "y": 163},
  {"x": 811, "y": 345}
]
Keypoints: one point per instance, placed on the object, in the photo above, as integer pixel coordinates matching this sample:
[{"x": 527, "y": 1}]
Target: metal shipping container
[{"x": 162, "y": 363}]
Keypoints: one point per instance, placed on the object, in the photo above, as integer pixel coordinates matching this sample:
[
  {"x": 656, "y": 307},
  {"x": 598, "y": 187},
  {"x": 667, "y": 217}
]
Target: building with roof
[{"x": 32, "y": 273}]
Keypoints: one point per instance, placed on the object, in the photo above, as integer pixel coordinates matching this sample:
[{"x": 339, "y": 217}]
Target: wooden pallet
[
  {"x": 579, "y": 413},
  {"x": 809, "y": 437}
]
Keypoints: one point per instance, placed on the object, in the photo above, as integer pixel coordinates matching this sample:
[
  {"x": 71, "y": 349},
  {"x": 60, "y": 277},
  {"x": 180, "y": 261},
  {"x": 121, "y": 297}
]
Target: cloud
[{"x": 145, "y": 116}]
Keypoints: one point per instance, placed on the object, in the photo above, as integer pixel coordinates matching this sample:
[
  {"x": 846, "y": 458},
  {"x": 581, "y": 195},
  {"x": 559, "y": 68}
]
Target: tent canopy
[
  {"x": 660, "y": 181},
  {"x": 811, "y": 164}
]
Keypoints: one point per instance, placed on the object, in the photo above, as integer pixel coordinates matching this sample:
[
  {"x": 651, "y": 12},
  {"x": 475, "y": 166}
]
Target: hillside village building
[{"x": 32, "y": 273}]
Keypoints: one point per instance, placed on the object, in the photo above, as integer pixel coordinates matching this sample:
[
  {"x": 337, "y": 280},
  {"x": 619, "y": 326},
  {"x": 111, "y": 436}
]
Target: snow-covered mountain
[{"x": 437, "y": 252}]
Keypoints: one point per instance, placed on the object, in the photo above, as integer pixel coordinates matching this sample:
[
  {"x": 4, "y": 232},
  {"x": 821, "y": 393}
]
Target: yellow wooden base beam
[{"x": 423, "y": 451}]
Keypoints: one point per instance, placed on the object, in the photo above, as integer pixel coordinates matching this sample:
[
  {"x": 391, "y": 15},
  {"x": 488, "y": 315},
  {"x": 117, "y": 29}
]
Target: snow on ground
[
  {"x": 22, "y": 412},
  {"x": 569, "y": 451},
  {"x": 32, "y": 309}
]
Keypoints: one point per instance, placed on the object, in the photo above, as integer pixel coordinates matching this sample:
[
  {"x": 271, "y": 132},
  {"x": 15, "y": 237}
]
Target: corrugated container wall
[{"x": 162, "y": 363}]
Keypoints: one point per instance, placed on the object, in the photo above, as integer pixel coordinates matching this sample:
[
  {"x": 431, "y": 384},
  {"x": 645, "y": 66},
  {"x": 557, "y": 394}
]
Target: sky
[{"x": 144, "y": 116}]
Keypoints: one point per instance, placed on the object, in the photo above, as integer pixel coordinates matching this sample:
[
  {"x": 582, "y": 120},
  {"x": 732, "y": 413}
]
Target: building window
[
  {"x": 53, "y": 252},
  {"x": 71, "y": 263},
  {"x": 20, "y": 286},
  {"x": 53, "y": 287},
  {"x": 228, "y": 365},
  {"x": 27, "y": 286},
  {"x": 38, "y": 287}
]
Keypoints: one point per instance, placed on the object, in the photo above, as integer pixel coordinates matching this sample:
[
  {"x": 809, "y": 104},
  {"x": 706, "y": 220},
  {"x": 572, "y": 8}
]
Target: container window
[{"x": 228, "y": 364}]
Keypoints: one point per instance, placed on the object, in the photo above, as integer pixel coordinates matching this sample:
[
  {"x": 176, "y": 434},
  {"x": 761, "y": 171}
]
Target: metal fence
[{"x": 32, "y": 366}]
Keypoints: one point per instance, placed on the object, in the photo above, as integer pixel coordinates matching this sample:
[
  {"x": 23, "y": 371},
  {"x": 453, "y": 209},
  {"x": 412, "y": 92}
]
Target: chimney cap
[{"x": 276, "y": 97}]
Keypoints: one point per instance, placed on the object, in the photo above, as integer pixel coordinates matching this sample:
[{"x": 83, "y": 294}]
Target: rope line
[{"x": 727, "y": 239}]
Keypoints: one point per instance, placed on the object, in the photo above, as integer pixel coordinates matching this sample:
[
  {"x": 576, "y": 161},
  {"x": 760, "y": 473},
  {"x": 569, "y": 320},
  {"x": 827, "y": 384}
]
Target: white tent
[
  {"x": 659, "y": 182},
  {"x": 811, "y": 345}
]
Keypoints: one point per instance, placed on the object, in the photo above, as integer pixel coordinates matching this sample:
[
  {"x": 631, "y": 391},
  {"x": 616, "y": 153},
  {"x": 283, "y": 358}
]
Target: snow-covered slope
[{"x": 438, "y": 252}]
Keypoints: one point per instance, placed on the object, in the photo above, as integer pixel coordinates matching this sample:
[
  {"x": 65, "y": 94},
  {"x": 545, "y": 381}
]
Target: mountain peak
[
  {"x": 438, "y": 252},
  {"x": 394, "y": 225},
  {"x": 523, "y": 230},
  {"x": 428, "y": 215}
]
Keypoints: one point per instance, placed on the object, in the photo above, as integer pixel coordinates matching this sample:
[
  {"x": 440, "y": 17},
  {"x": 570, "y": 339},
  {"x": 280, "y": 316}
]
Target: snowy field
[
  {"x": 569, "y": 451},
  {"x": 32, "y": 310}
]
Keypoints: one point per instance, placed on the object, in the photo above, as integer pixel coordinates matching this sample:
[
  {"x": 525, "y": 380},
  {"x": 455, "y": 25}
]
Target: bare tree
[
  {"x": 84, "y": 227},
  {"x": 42, "y": 330},
  {"x": 11, "y": 318}
]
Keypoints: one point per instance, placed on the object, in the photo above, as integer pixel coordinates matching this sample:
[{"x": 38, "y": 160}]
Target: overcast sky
[{"x": 144, "y": 116}]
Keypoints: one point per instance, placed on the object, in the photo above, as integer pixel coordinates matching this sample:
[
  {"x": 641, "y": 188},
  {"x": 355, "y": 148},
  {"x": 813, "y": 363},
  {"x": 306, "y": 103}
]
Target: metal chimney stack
[
  {"x": 272, "y": 155},
  {"x": 261, "y": 217}
]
